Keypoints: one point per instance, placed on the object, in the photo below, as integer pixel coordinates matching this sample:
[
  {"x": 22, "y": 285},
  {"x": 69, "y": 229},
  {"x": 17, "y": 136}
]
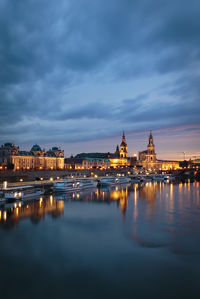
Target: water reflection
[
  {"x": 114, "y": 238},
  {"x": 14, "y": 212},
  {"x": 156, "y": 214}
]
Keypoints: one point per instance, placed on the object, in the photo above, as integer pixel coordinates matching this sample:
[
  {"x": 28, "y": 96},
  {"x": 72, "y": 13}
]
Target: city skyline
[
  {"x": 77, "y": 74},
  {"x": 136, "y": 143}
]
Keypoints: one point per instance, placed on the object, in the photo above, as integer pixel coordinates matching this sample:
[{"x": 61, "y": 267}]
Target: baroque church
[
  {"x": 147, "y": 158},
  {"x": 119, "y": 158}
]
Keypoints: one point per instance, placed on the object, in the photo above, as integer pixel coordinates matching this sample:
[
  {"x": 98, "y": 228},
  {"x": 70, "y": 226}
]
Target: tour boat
[
  {"x": 87, "y": 183},
  {"x": 123, "y": 180},
  {"x": 109, "y": 181},
  {"x": 67, "y": 186},
  {"x": 22, "y": 192},
  {"x": 162, "y": 178},
  {"x": 74, "y": 185}
]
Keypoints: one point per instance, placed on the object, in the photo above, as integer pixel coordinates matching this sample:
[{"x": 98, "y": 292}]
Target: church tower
[
  {"x": 117, "y": 152},
  {"x": 123, "y": 148},
  {"x": 151, "y": 155}
]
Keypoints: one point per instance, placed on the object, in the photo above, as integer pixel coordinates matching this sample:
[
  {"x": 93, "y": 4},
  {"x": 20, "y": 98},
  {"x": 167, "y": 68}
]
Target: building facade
[
  {"x": 120, "y": 157},
  {"x": 87, "y": 163},
  {"x": 148, "y": 160},
  {"x": 170, "y": 165},
  {"x": 36, "y": 158}
]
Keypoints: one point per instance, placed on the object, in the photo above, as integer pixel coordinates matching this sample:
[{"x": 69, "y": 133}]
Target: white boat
[
  {"x": 109, "y": 181},
  {"x": 22, "y": 192},
  {"x": 67, "y": 186},
  {"x": 74, "y": 185},
  {"x": 87, "y": 183},
  {"x": 123, "y": 180}
]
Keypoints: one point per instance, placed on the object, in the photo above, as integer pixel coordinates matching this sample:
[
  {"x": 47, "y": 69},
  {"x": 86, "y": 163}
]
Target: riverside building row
[
  {"x": 147, "y": 159},
  {"x": 11, "y": 157}
]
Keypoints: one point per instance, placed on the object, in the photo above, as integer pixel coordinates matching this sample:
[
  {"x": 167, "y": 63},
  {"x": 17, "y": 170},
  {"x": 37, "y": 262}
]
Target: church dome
[{"x": 36, "y": 148}]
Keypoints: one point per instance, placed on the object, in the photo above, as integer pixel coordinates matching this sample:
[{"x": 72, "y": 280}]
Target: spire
[
  {"x": 117, "y": 152},
  {"x": 123, "y": 137},
  {"x": 150, "y": 137}
]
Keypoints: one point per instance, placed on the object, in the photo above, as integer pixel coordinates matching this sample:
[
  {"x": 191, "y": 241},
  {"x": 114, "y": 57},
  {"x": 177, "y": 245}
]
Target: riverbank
[{"x": 48, "y": 175}]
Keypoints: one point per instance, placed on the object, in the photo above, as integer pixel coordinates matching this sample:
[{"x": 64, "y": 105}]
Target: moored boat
[
  {"x": 74, "y": 185},
  {"x": 123, "y": 180},
  {"x": 109, "y": 181},
  {"x": 67, "y": 186},
  {"x": 22, "y": 192},
  {"x": 87, "y": 183}
]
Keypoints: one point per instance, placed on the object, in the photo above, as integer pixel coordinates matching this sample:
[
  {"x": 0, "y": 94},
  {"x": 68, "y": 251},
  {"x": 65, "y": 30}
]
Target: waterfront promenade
[{"x": 46, "y": 177}]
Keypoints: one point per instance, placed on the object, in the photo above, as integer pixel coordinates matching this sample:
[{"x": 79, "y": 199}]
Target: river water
[{"x": 124, "y": 242}]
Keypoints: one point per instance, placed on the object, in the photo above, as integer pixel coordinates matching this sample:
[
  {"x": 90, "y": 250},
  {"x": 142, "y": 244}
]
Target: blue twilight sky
[{"x": 76, "y": 73}]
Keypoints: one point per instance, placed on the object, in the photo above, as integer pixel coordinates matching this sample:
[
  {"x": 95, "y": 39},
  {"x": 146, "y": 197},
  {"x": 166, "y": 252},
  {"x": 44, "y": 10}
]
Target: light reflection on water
[{"x": 103, "y": 242}]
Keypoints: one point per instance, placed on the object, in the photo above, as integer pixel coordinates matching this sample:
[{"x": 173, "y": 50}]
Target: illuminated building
[
  {"x": 36, "y": 158},
  {"x": 170, "y": 165},
  {"x": 87, "y": 163},
  {"x": 148, "y": 160},
  {"x": 119, "y": 159}
]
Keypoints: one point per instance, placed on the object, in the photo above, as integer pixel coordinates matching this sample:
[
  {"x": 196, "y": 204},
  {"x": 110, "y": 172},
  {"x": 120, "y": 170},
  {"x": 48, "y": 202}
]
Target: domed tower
[
  {"x": 36, "y": 150},
  {"x": 123, "y": 148},
  {"x": 151, "y": 155}
]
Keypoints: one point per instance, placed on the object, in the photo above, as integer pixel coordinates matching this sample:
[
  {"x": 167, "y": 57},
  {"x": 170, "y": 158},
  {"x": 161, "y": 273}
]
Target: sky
[{"x": 77, "y": 73}]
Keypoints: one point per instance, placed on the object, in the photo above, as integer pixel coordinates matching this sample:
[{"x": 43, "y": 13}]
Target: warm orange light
[{"x": 4, "y": 215}]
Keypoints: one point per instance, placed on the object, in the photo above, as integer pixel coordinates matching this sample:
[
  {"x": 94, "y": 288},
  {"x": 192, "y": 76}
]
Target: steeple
[
  {"x": 151, "y": 155},
  {"x": 151, "y": 138},
  {"x": 117, "y": 148},
  {"x": 123, "y": 137},
  {"x": 117, "y": 152},
  {"x": 123, "y": 147}
]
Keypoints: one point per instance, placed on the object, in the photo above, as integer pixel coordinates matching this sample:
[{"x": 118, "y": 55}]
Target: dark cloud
[{"x": 48, "y": 49}]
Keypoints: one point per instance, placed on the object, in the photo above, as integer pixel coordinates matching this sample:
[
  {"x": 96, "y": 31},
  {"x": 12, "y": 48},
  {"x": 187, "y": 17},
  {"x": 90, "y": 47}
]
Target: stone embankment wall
[{"x": 31, "y": 175}]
